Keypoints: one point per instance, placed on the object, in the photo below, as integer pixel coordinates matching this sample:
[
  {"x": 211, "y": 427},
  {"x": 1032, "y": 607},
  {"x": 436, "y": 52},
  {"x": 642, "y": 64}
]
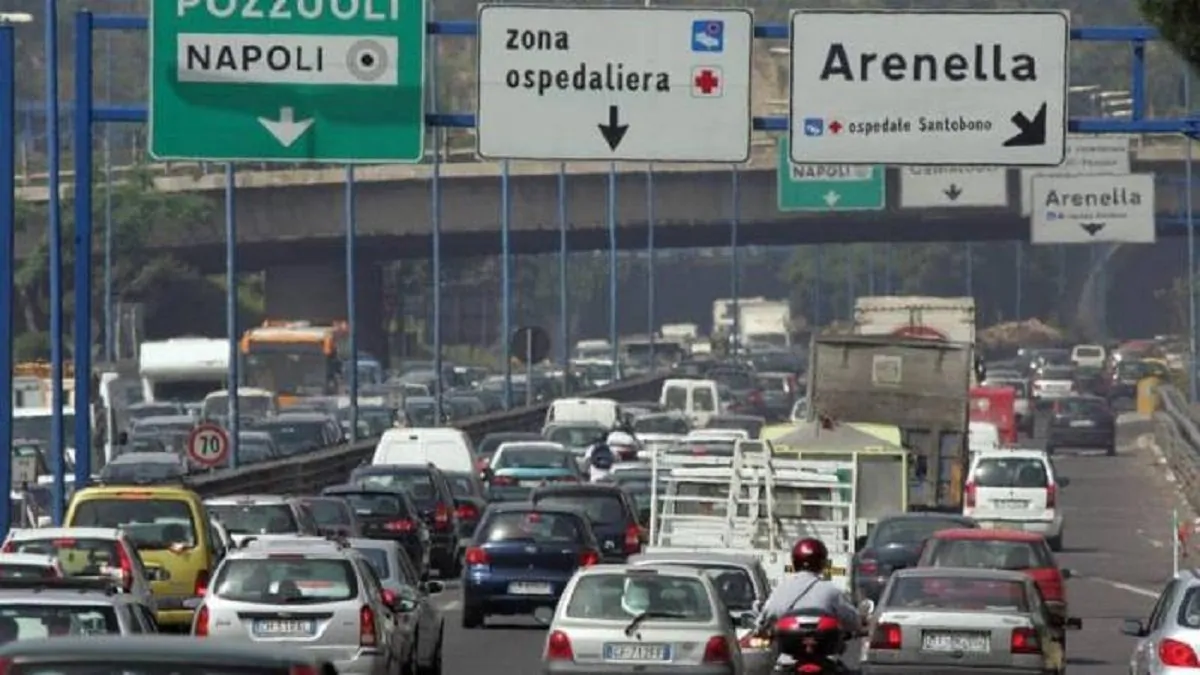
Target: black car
[
  {"x": 469, "y": 502},
  {"x": 893, "y": 544},
  {"x": 613, "y": 514},
  {"x": 334, "y": 516},
  {"x": 431, "y": 492},
  {"x": 744, "y": 386},
  {"x": 388, "y": 512},
  {"x": 1082, "y": 422}
]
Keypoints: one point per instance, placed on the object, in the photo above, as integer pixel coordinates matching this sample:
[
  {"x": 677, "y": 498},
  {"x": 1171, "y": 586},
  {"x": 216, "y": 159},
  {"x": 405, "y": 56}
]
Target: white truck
[
  {"x": 767, "y": 322},
  {"x": 183, "y": 368},
  {"x": 754, "y": 502},
  {"x": 919, "y": 317}
]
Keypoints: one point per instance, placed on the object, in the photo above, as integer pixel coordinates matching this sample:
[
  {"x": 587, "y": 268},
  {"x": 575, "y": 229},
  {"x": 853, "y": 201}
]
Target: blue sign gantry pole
[
  {"x": 231, "y": 313},
  {"x": 8, "y": 226},
  {"x": 83, "y": 258},
  {"x": 53, "y": 161},
  {"x": 351, "y": 292},
  {"x": 564, "y": 304}
]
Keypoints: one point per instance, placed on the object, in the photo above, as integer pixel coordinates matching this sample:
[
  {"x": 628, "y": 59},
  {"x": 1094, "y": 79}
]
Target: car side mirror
[
  {"x": 1064, "y": 481},
  {"x": 1067, "y": 572},
  {"x": 433, "y": 587},
  {"x": 1134, "y": 627}
]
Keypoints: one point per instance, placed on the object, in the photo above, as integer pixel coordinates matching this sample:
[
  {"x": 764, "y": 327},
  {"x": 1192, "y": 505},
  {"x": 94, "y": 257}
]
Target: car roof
[
  {"x": 988, "y": 573},
  {"x": 330, "y": 549},
  {"x": 358, "y": 489},
  {"x": 696, "y": 558},
  {"x": 973, "y": 534},
  {"x": 682, "y": 571},
  {"x": 923, "y": 515},
  {"x": 246, "y": 500},
  {"x": 301, "y": 416},
  {"x": 146, "y": 458},
  {"x": 154, "y": 420},
  {"x": 1021, "y": 453},
  {"x": 575, "y": 488},
  {"x": 154, "y": 648},
  {"x": 526, "y": 507},
  {"x": 30, "y": 533},
  {"x": 532, "y": 445},
  {"x": 363, "y": 542}
]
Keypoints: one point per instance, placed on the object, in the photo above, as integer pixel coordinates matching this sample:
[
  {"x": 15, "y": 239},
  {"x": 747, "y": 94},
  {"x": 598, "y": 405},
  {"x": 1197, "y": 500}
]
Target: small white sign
[
  {"x": 618, "y": 83},
  {"x": 929, "y": 87},
  {"x": 923, "y": 187},
  {"x": 1089, "y": 209},
  {"x": 1087, "y": 155}
]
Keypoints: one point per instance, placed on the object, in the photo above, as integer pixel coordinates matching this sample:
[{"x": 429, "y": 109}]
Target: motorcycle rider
[
  {"x": 600, "y": 461},
  {"x": 808, "y": 589}
]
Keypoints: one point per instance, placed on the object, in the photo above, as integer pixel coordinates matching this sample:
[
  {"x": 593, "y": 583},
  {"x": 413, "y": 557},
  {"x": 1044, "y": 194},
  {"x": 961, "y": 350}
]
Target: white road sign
[
  {"x": 928, "y": 87},
  {"x": 619, "y": 83},
  {"x": 1087, "y": 155},
  {"x": 1088, "y": 209},
  {"x": 208, "y": 445},
  {"x": 923, "y": 187}
]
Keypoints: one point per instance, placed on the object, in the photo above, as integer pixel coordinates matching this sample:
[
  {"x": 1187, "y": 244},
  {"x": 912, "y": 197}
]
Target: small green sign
[
  {"x": 336, "y": 81},
  {"x": 829, "y": 187}
]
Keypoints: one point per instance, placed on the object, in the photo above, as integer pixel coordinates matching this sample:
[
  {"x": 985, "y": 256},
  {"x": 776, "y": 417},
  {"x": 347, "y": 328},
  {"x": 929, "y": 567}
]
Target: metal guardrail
[
  {"x": 309, "y": 473},
  {"x": 1177, "y": 433}
]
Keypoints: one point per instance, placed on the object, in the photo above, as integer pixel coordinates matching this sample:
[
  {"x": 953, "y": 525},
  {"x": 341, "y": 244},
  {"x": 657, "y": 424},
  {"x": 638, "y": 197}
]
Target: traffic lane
[
  {"x": 504, "y": 644},
  {"x": 1117, "y": 542}
]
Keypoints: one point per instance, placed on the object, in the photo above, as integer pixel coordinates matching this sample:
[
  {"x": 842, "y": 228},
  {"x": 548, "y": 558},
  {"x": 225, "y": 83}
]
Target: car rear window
[
  {"x": 417, "y": 483},
  {"x": 1057, "y": 373},
  {"x": 45, "y": 619},
  {"x": 373, "y": 504},
  {"x": 1088, "y": 352},
  {"x": 461, "y": 486},
  {"x": 911, "y": 530},
  {"x": 535, "y": 526},
  {"x": 255, "y": 518},
  {"x": 154, "y": 524},
  {"x": 957, "y": 593},
  {"x": 1010, "y": 472},
  {"x": 988, "y": 554},
  {"x": 1082, "y": 406},
  {"x": 620, "y": 597},
  {"x": 86, "y": 557},
  {"x": 600, "y": 508},
  {"x": 329, "y": 512},
  {"x": 734, "y": 585},
  {"x": 533, "y": 458},
  {"x": 661, "y": 424},
  {"x": 286, "y": 579},
  {"x": 25, "y": 571}
]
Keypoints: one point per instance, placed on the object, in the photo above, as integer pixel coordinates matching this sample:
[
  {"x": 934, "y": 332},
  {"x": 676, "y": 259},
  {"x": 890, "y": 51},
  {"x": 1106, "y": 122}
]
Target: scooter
[{"x": 814, "y": 640}]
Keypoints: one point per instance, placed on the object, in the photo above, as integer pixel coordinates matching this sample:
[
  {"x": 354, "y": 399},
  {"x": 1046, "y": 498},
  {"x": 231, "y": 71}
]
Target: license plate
[
  {"x": 1082, "y": 423},
  {"x": 1011, "y": 503},
  {"x": 529, "y": 588},
  {"x": 531, "y": 483},
  {"x": 969, "y": 643},
  {"x": 636, "y": 652},
  {"x": 284, "y": 627}
]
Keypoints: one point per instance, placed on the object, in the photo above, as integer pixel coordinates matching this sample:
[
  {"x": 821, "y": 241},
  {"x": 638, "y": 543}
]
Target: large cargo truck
[
  {"x": 919, "y": 385},
  {"x": 920, "y": 318}
]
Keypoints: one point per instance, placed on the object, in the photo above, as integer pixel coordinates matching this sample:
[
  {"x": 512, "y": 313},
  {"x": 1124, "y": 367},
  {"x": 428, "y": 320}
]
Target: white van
[
  {"x": 1088, "y": 356},
  {"x": 447, "y": 449},
  {"x": 1015, "y": 489},
  {"x": 698, "y": 399},
  {"x": 603, "y": 411}
]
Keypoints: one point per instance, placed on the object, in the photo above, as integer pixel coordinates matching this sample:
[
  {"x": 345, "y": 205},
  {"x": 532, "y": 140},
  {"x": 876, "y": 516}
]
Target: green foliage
[{"x": 1179, "y": 23}]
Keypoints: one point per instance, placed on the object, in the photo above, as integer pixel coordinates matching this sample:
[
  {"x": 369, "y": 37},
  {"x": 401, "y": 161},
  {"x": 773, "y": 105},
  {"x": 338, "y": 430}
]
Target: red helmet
[{"x": 810, "y": 555}]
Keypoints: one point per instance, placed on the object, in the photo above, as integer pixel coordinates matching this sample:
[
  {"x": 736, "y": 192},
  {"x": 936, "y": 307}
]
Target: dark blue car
[{"x": 522, "y": 557}]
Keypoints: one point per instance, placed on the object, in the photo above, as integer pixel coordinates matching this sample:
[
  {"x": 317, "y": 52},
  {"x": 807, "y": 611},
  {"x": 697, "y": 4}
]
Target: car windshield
[
  {"x": 255, "y": 518},
  {"x": 996, "y": 554},
  {"x": 286, "y": 579},
  {"x": 600, "y": 508},
  {"x": 1088, "y": 407},
  {"x": 533, "y": 458},
  {"x": 46, "y": 619},
  {"x": 329, "y": 512},
  {"x": 957, "y": 594},
  {"x": 374, "y": 504},
  {"x": 88, "y": 557},
  {"x": 621, "y": 597},
  {"x": 149, "y": 523},
  {"x": 1010, "y": 472},
  {"x": 575, "y": 437},
  {"x": 910, "y": 530},
  {"x": 150, "y": 471},
  {"x": 660, "y": 424},
  {"x": 532, "y": 526}
]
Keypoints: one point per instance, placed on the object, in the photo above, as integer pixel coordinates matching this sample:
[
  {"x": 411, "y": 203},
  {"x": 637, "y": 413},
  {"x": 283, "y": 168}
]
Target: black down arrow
[
  {"x": 614, "y": 131},
  {"x": 953, "y": 192},
  {"x": 1092, "y": 228}
]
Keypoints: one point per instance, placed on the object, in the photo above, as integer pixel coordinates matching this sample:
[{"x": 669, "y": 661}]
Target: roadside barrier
[
  {"x": 309, "y": 473},
  {"x": 1177, "y": 433}
]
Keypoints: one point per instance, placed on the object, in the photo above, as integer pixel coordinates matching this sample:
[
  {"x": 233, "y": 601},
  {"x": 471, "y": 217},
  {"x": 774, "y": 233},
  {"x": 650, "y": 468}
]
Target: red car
[{"x": 1001, "y": 549}]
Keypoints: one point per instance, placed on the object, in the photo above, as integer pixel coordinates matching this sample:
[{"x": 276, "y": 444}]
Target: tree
[{"x": 1179, "y": 23}]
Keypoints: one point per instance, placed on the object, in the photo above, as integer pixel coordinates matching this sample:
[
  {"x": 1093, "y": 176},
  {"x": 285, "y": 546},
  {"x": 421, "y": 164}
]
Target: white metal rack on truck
[{"x": 752, "y": 502}]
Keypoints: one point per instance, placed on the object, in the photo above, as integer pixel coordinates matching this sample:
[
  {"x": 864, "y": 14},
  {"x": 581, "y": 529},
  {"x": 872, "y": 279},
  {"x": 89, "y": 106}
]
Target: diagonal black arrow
[
  {"x": 1032, "y": 131},
  {"x": 614, "y": 131},
  {"x": 1092, "y": 228},
  {"x": 953, "y": 192}
]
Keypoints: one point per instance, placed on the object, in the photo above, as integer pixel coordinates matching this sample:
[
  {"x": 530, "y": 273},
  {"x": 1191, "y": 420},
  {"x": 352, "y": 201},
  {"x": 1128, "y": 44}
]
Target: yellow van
[{"x": 171, "y": 530}]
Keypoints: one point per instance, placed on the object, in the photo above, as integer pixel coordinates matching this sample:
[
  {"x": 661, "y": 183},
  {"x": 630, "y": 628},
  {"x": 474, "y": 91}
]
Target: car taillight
[
  {"x": 200, "y": 627},
  {"x": 589, "y": 558},
  {"x": 477, "y": 556},
  {"x": 366, "y": 627},
  {"x": 1174, "y": 653},
  {"x": 1051, "y": 496},
  {"x": 467, "y": 512},
  {"x": 717, "y": 650},
  {"x": 1025, "y": 641},
  {"x": 969, "y": 495},
  {"x": 886, "y": 636},
  {"x": 126, "y": 564},
  {"x": 633, "y": 539},
  {"x": 558, "y": 647},
  {"x": 303, "y": 670},
  {"x": 201, "y": 587},
  {"x": 867, "y": 567},
  {"x": 402, "y": 525},
  {"x": 441, "y": 517}
]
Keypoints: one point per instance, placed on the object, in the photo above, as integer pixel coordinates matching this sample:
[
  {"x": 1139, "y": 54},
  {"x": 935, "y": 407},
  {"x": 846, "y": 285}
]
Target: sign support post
[{"x": 8, "y": 217}]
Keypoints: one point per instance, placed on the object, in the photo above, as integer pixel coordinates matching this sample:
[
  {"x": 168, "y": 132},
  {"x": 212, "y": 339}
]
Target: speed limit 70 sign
[{"x": 208, "y": 445}]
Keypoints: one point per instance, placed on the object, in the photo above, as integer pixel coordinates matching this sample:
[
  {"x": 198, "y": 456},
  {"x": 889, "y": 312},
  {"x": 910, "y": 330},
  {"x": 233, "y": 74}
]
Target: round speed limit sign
[{"x": 208, "y": 445}]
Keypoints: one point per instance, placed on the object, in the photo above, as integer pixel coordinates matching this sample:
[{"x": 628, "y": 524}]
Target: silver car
[
  {"x": 1170, "y": 637},
  {"x": 743, "y": 586},
  {"x": 935, "y": 620},
  {"x": 322, "y": 598},
  {"x": 36, "y": 608},
  {"x": 644, "y": 619},
  {"x": 247, "y": 516}
]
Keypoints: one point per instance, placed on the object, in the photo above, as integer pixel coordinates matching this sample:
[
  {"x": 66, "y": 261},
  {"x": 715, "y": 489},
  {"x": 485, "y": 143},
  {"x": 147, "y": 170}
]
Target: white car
[{"x": 1015, "y": 489}]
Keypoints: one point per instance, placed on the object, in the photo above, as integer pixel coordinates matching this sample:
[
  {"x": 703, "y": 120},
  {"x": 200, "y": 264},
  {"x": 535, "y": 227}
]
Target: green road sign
[
  {"x": 315, "y": 80},
  {"x": 829, "y": 187}
]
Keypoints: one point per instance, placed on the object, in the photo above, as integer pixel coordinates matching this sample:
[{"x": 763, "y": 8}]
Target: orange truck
[{"x": 996, "y": 405}]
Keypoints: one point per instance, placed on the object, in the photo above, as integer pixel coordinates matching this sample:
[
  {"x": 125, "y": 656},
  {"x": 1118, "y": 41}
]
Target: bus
[{"x": 295, "y": 359}]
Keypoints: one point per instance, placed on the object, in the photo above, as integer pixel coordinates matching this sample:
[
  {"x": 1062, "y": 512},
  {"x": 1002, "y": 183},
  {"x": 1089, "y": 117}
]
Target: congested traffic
[{"x": 644, "y": 536}]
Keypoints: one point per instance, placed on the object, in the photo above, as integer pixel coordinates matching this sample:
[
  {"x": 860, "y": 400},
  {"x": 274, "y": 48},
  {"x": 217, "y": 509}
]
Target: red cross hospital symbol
[{"x": 706, "y": 81}]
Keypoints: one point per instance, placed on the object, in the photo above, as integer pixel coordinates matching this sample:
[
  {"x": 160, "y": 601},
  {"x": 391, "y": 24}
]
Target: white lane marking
[
  {"x": 1152, "y": 541},
  {"x": 452, "y": 606},
  {"x": 1129, "y": 588}
]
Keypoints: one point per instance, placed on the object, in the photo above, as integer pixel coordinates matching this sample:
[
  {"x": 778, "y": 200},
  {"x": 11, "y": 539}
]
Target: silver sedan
[{"x": 938, "y": 621}]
